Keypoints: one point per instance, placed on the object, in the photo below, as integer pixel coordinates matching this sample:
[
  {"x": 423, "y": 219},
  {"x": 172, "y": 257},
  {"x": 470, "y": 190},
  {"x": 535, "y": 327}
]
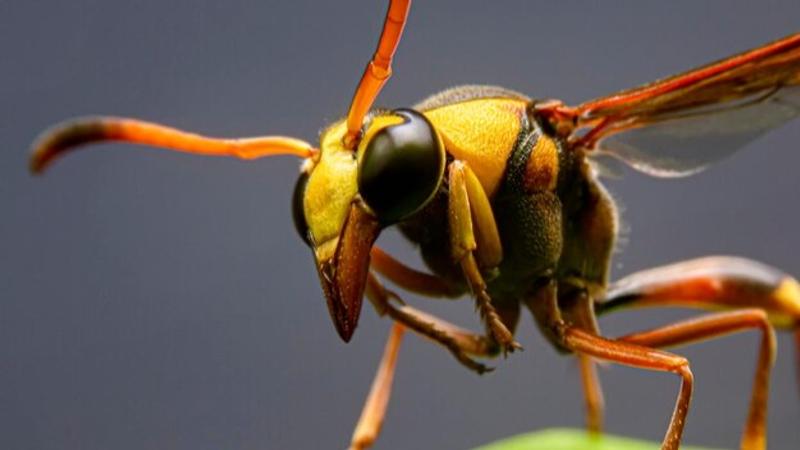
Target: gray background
[{"x": 155, "y": 300}]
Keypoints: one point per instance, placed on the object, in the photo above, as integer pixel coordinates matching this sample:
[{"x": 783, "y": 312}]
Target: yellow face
[
  {"x": 333, "y": 183},
  {"x": 331, "y": 188},
  {"x": 344, "y": 197}
]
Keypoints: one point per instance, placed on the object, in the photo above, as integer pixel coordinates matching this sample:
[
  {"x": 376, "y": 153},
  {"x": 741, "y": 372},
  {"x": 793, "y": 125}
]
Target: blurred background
[{"x": 156, "y": 300}]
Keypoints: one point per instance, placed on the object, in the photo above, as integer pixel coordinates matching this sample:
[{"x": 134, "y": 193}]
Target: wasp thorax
[{"x": 401, "y": 162}]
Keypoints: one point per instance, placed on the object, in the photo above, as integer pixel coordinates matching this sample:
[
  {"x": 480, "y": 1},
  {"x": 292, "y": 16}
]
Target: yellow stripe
[
  {"x": 787, "y": 295},
  {"x": 541, "y": 172}
]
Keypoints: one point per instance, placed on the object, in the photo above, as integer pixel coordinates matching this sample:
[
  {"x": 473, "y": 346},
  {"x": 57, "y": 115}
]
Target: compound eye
[
  {"x": 400, "y": 166},
  {"x": 298, "y": 213}
]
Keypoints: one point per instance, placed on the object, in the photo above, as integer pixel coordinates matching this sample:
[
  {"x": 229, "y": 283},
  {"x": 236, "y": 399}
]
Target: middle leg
[
  {"x": 572, "y": 338},
  {"x": 578, "y": 309},
  {"x": 641, "y": 357}
]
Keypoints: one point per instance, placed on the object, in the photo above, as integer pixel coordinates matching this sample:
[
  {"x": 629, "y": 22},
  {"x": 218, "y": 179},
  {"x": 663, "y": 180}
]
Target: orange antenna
[
  {"x": 70, "y": 135},
  {"x": 378, "y": 70}
]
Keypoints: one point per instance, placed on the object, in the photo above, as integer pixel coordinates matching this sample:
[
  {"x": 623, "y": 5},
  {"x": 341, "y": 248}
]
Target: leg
[
  {"x": 719, "y": 282},
  {"x": 641, "y": 357},
  {"x": 578, "y": 309},
  {"x": 717, "y": 325},
  {"x": 429, "y": 285},
  {"x": 371, "y": 420},
  {"x": 592, "y": 394},
  {"x": 459, "y": 342},
  {"x": 716, "y": 282},
  {"x": 544, "y": 306},
  {"x": 473, "y": 233},
  {"x": 410, "y": 279}
]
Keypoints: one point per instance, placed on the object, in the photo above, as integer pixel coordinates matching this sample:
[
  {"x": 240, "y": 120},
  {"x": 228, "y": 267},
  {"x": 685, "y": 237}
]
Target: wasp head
[{"x": 344, "y": 197}]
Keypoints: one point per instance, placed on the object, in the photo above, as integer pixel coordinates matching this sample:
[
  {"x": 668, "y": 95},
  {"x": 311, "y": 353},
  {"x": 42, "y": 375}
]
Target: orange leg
[
  {"x": 592, "y": 394},
  {"x": 378, "y": 70},
  {"x": 641, "y": 357},
  {"x": 371, "y": 420},
  {"x": 577, "y": 308},
  {"x": 431, "y": 286},
  {"x": 458, "y": 341},
  {"x": 717, "y": 282},
  {"x": 544, "y": 305},
  {"x": 714, "y": 282},
  {"x": 410, "y": 279},
  {"x": 717, "y": 325}
]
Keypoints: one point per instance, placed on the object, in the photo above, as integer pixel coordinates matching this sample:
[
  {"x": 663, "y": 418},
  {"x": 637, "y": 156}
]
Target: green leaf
[{"x": 571, "y": 439}]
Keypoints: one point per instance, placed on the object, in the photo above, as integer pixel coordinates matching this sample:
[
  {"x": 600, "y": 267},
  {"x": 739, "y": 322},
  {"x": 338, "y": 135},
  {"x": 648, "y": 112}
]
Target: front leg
[
  {"x": 475, "y": 244},
  {"x": 461, "y": 343},
  {"x": 371, "y": 420}
]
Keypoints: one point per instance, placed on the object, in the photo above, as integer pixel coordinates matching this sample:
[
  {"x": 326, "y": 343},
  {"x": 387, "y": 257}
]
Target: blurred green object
[{"x": 573, "y": 439}]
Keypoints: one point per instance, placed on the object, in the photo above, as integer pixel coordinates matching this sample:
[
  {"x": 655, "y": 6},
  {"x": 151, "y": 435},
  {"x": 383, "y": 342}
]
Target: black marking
[
  {"x": 514, "y": 178},
  {"x": 615, "y": 304}
]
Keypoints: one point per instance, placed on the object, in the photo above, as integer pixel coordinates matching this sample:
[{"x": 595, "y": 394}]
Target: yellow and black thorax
[{"x": 527, "y": 173}]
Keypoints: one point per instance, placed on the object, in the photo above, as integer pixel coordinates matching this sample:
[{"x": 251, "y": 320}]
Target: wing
[{"x": 681, "y": 124}]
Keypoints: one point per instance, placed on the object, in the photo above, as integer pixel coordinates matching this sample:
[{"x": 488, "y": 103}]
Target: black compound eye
[
  {"x": 298, "y": 213},
  {"x": 401, "y": 167}
]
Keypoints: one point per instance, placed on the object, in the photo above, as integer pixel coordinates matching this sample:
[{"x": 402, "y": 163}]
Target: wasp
[{"x": 501, "y": 194}]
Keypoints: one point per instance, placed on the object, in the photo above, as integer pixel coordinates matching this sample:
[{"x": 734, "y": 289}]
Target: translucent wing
[
  {"x": 684, "y": 144},
  {"x": 679, "y": 125}
]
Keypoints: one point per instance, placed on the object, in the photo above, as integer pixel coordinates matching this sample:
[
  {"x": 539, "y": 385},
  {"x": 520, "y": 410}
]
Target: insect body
[{"x": 500, "y": 193}]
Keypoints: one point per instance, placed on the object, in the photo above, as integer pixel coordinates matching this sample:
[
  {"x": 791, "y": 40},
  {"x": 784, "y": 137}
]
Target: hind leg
[
  {"x": 714, "y": 326},
  {"x": 717, "y": 282}
]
